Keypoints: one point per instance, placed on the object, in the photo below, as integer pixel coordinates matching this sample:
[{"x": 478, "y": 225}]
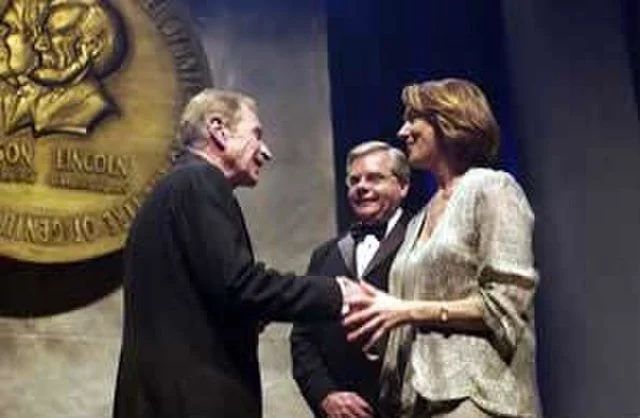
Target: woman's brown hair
[{"x": 461, "y": 117}]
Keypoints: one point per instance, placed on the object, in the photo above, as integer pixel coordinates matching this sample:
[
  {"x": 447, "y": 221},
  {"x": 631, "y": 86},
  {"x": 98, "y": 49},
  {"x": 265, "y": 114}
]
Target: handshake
[{"x": 369, "y": 312}]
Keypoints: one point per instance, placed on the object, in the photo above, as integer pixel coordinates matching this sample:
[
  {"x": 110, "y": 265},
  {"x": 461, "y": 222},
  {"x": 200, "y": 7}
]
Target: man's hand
[
  {"x": 346, "y": 405},
  {"x": 378, "y": 317},
  {"x": 355, "y": 294}
]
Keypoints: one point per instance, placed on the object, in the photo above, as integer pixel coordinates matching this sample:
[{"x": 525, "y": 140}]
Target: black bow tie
[{"x": 360, "y": 230}]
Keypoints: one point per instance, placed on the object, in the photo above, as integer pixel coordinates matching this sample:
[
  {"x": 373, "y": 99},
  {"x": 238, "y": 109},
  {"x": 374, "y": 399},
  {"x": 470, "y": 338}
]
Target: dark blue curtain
[
  {"x": 631, "y": 10},
  {"x": 377, "y": 46}
]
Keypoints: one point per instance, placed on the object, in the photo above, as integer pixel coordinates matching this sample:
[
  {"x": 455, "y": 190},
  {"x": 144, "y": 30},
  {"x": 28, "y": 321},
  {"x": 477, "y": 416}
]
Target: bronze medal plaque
[{"x": 90, "y": 92}]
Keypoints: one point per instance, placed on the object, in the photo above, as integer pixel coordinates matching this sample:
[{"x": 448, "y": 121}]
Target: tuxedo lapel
[
  {"x": 388, "y": 245},
  {"x": 347, "y": 248}
]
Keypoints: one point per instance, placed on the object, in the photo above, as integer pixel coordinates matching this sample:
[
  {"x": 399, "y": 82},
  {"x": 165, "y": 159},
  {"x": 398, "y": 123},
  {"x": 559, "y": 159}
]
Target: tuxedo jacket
[
  {"x": 323, "y": 360},
  {"x": 194, "y": 300}
]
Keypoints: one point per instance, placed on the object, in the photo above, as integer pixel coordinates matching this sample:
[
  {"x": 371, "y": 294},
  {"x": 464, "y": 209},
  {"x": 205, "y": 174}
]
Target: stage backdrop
[
  {"x": 577, "y": 118},
  {"x": 327, "y": 75},
  {"x": 561, "y": 77}
]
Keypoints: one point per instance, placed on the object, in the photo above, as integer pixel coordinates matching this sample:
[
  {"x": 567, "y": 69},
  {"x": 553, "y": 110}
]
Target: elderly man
[
  {"x": 195, "y": 299},
  {"x": 335, "y": 377}
]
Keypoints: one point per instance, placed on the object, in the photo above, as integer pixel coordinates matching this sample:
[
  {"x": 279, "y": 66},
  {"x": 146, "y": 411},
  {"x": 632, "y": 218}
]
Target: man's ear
[
  {"x": 216, "y": 131},
  {"x": 404, "y": 189}
]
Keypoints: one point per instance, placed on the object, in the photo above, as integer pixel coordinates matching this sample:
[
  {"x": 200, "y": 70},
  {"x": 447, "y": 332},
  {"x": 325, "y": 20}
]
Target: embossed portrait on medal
[
  {"x": 19, "y": 24},
  {"x": 81, "y": 43},
  {"x": 90, "y": 91},
  {"x": 54, "y": 58}
]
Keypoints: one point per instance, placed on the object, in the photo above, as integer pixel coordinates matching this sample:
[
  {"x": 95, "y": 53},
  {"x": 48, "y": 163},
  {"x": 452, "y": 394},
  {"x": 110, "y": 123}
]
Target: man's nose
[
  {"x": 362, "y": 186},
  {"x": 265, "y": 152}
]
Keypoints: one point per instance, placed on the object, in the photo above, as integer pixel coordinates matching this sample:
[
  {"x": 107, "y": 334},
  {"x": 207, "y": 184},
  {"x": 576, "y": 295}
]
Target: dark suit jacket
[
  {"x": 193, "y": 301},
  {"x": 323, "y": 360}
]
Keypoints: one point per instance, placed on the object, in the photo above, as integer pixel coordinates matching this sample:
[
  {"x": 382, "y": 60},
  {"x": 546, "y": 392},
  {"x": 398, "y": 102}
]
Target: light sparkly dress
[{"x": 482, "y": 244}]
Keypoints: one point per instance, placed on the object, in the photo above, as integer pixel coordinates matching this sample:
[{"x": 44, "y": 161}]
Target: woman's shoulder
[
  {"x": 496, "y": 184},
  {"x": 489, "y": 177},
  {"x": 486, "y": 179}
]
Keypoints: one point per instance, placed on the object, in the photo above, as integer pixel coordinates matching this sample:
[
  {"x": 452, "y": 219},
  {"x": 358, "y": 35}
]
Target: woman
[{"x": 460, "y": 308}]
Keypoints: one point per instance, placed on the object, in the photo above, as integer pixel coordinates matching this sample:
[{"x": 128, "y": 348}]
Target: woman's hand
[{"x": 385, "y": 313}]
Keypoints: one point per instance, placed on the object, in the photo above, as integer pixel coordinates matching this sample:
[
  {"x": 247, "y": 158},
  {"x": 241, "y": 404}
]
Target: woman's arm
[{"x": 388, "y": 312}]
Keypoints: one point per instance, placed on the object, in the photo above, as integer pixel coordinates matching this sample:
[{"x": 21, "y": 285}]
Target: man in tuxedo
[
  {"x": 194, "y": 297},
  {"x": 336, "y": 378}
]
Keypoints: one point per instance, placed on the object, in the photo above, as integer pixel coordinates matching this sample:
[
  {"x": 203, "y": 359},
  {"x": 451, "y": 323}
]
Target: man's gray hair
[
  {"x": 399, "y": 163},
  {"x": 223, "y": 104}
]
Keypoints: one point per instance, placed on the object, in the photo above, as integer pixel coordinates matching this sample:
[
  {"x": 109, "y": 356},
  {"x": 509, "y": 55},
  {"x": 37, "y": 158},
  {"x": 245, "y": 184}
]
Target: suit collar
[
  {"x": 187, "y": 157},
  {"x": 388, "y": 245},
  {"x": 233, "y": 209},
  {"x": 347, "y": 247}
]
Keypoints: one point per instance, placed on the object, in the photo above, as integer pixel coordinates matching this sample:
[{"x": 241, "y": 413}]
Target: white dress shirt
[{"x": 366, "y": 249}]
